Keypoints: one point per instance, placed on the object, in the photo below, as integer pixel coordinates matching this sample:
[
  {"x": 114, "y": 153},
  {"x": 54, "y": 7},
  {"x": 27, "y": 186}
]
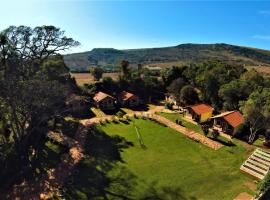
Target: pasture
[
  {"x": 167, "y": 166},
  {"x": 87, "y": 78}
]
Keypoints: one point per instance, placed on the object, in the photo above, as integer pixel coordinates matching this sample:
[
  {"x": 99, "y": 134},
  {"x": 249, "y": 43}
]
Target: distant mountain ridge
[{"x": 184, "y": 53}]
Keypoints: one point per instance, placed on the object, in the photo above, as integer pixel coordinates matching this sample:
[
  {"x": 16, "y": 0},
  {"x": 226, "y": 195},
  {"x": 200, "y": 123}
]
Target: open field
[
  {"x": 264, "y": 70},
  {"x": 83, "y": 78},
  {"x": 170, "y": 166}
]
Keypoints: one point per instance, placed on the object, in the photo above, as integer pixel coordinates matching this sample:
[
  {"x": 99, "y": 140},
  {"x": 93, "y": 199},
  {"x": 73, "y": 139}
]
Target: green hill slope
[{"x": 184, "y": 53}]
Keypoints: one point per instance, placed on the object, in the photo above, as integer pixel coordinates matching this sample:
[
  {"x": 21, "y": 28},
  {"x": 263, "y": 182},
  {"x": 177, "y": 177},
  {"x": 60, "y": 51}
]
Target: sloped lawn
[
  {"x": 174, "y": 167},
  {"x": 185, "y": 123}
]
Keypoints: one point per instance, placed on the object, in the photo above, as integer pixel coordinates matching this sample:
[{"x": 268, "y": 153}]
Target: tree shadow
[
  {"x": 154, "y": 192},
  {"x": 66, "y": 127},
  {"x": 225, "y": 143},
  {"x": 103, "y": 174},
  {"x": 124, "y": 121},
  {"x": 141, "y": 107}
]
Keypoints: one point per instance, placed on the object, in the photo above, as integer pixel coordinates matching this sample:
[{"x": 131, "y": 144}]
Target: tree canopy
[{"x": 34, "y": 85}]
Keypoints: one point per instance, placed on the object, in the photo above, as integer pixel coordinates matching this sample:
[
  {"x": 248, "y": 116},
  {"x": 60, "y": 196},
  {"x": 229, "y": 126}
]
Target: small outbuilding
[
  {"x": 76, "y": 103},
  {"x": 228, "y": 121},
  {"x": 200, "y": 112},
  {"x": 128, "y": 99},
  {"x": 104, "y": 101}
]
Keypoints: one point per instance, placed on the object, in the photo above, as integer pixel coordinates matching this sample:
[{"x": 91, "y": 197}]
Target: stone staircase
[{"x": 257, "y": 164}]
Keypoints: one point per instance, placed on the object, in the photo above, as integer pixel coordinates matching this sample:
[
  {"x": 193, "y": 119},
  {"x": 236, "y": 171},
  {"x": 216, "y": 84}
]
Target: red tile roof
[
  {"x": 124, "y": 95},
  {"x": 101, "y": 96},
  {"x": 201, "y": 108},
  {"x": 234, "y": 118}
]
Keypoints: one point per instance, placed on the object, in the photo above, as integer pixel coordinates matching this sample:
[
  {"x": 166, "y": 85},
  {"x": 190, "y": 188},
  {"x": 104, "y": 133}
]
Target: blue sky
[{"x": 142, "y": 24}]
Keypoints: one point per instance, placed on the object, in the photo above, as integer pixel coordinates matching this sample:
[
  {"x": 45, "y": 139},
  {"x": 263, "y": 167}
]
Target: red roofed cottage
[
  {"x": 201, "y": 112},
  {"x": 128, "y": 99},
  {"x": 228, "y": 121},
  {"x": 104, "y": 101}
]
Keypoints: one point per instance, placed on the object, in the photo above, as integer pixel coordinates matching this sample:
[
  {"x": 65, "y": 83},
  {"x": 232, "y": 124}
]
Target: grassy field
[
  {"x": 84, "y": 78},
  {"x": 169, "y": 166}
]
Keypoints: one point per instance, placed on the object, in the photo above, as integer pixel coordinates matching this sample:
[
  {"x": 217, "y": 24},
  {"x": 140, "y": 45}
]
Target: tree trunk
[{"x": 251, "y": 136}]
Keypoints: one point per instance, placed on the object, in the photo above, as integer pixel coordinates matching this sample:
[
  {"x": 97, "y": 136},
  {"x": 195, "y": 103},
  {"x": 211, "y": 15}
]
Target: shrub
[
  {"x": 264, "y": 184},
  {"x": 205, "y": 128},
  {"x": 120, "y": 114},
  {"x": 215, "y": 134},
  {"x": 168, "y": 105}
]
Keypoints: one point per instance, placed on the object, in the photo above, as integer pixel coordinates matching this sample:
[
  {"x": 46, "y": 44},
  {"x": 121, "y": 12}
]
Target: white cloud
[{"x": 262, "y": 37}]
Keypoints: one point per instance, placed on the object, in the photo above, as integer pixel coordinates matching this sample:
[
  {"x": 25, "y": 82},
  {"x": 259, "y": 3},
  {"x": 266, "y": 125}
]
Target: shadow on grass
[
  {"x": 103, "y": 174},
  {"x": 142, "y": 107},
  {"x": 47, "y": 157},
  {"x": 223, "y": 141},
  {"x": 113, "y": 112},
  {"x": 124, "y": 121}
]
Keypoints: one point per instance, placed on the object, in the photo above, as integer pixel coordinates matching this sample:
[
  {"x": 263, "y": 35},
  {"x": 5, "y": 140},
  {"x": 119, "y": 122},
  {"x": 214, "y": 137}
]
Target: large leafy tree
[
  {"x": 96, "y": 73},
  {"x": 256, "y": 111},
  {"x": 124, "y": 68},
  {"x": 175, "y": 88},
  {"x": 234, "y": 92},
  {"x": 188, "y": 95},
  {"x": 211, "y": 76},
  {"x": 168, "y": 75},
  {"x": 34, "y": 82}
]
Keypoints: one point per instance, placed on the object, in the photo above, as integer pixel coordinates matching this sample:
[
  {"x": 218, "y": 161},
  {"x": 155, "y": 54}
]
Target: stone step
[
  {"x": 258, "y": 164},
  {"x": 257, "y": 169},
  {"x": 251, "y": 172},
  {"x": 263, "y": 153},
  {"x": 254, "y": 157},
  {"x": 266, "y": 151},
  {"x": 261, "y": 156}
]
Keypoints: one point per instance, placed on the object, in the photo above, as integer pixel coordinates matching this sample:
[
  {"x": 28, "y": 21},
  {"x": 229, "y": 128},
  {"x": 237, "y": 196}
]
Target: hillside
[{"x": 181, "y": 54}]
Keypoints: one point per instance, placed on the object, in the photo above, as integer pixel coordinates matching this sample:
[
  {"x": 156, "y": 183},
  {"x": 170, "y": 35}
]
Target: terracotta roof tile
[
  {"x": 101, "y": 96},
  {"x": 201, "y": 108},
  {"x": 234, "y": 119},
  {"x": 124, "y": 95}
]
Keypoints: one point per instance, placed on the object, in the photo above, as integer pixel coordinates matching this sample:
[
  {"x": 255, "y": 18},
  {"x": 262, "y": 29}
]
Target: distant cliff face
[{"x": 184, "y": 53}]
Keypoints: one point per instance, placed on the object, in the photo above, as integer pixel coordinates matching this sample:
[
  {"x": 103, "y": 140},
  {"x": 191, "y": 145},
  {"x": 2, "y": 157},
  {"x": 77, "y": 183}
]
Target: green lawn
[
  {"x": 172, "y": 165},
  {"x": 185, "y": 123}
]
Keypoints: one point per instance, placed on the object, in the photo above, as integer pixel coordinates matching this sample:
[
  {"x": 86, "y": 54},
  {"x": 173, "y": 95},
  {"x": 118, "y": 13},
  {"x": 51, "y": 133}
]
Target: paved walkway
[{"x": 244, "y": 196}]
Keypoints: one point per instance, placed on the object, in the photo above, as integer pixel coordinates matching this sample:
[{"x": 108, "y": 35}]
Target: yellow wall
[{"x": 206, "y": 116}]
